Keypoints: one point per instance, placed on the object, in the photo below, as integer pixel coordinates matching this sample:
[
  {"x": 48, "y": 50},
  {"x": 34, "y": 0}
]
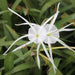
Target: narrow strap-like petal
[
  {"x": 22, "y": 46},
  {"x": 50, "y": 50},
  {"x": 38, "y": 60},
  {"x": 48, "y": 20},
  {"x": 55, "y": 16},
  {"x": 62, "y": 29},
  {"x": 21, "y": 18},
  {"x": 33, "y": 24},
  {"x": 61, "y": 42},
  {"x": 68, "y": 29},
  {"x": 15, "y": 42},
  {"x": 18, "y": 15},
  {"x": 54, "y": 67},
  {"x": 21, "y": 24}
]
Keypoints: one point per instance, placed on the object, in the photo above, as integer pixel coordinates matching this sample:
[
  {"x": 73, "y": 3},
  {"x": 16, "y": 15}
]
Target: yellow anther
[
  {"x": 37, "y": 35},
  {"x": 48, "y": 34}
]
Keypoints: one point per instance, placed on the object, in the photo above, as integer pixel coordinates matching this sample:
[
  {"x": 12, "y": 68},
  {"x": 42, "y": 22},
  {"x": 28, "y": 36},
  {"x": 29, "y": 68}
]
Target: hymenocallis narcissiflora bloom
[{"x": 40, "y": 34}]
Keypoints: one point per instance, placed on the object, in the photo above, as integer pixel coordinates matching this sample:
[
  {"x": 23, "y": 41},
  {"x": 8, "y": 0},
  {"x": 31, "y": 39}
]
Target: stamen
[
  {"x": 37, "y": 35},
  {"x": 48, "y": 34}
]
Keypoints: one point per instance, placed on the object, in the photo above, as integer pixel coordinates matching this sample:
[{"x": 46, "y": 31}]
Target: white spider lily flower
[
  {"x": 47, "y": 33},
  {"x": 52, "y": 35},
  {"x": 37, "y": 37},
  {"x": 36, "y": 34},
  {"x": 50, "y": 29}
]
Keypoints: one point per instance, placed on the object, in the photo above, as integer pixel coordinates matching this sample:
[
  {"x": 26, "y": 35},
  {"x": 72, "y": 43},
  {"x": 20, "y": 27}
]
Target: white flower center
[
  {"x": 39, "y": 35},
  {"x": 51, "y": 31},
  {"x": 48, "y": 34}
]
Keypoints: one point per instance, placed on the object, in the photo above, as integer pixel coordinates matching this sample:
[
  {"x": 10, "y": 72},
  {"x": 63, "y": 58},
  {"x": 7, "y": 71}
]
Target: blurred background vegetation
[{"x": 23, "y": 62}]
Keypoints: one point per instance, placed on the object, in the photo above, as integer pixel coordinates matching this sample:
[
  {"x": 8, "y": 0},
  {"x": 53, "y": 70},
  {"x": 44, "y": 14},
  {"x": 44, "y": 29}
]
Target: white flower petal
[
  {"x": 50, "y": 28},
  {"x": 68, "y": 29},
  {"x": 46, "y": 51},
  {"x": 53, "y": 32},
  {"x": 21, "y": 18},
  {"x": 22, "y": 46},
  {"x": 40, "y": 33},
  {"x": 54, "y": 67},
  {"x": 62, "y": 29},
  {"x": 58, "y": 6},
  {"x": 18, "y": 15},
  {"x": 48, "y": 20},
  {"x": 21, "y": 24},
  {"x": 61, "y": 42},
  {"x": 51, "y": 40},
  {"x": 15, "y": 42},
  {"x": 25, "y": 24},
  {"x": 30, "y": 31},
  {"x": 38, "y": 60},
  {"x": 55, "y": 16},
  {"x": 50, "y": 50}
]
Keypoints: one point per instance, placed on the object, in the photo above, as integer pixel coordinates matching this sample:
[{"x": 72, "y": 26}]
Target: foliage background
[{"x": 23, "y": 62}]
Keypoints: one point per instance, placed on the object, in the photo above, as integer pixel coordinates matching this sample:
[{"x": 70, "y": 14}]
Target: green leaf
[
  {"x": 4, "y": 6},
  {"x": 18, "y": 59},
  {"x": 6, "y": 43},
  {"x": 57, "y": 61},
  {"x": 66, "y": 62},
  {"x": 59, "y": 53},
  {"x": 34, "y": 10},
  {"x": 20, "y": 68},
  {"x": 73, "y": 3},
  {"x": 65, "y": 8},
  {"x": 51, "y": 71},
  {"x": 9, "y": 62},
  {"x": 16, "y": 3},
  {"x": 71, "y": 53},
  {"x": 58, "y": 72},
  {"x": 0, "y": 73},
  {"x": 14, "y": 35},
  {"x": 0, "y": 49},
  {"x": 1, "y": 56},
  {"x": 3, "y": 39},
  {"x": 37, "y": 71},
  {"x": 71, "y": 71},
  {"x": 31, "y": 3},
  {"x": 24, "y": 57},
  {"x": 69, "y": 60},
  {"x": 47, "y": 5},
  {"x": 3, "y": 21},
  {"x": 19, "y": 54},
  {"x": 24, "y": 72},
  {"x": 12, "y": 32},
  {"x": 64, "y": 20},
  {"x": 7, "y": 33},
  {"x": 3, "y": 12}
]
